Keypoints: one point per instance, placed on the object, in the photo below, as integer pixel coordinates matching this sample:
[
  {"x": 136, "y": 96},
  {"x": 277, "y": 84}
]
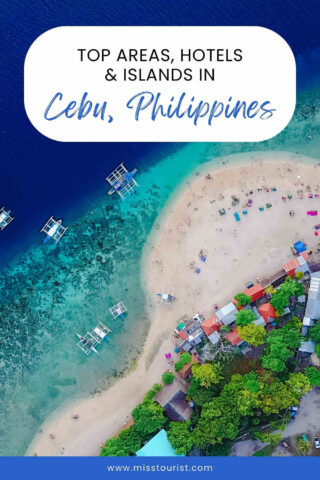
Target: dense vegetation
[
  {"x": 230, "y": 403},
  {"x": 245, "y": 317},
  {"x": 148, "y": 419},
  {"x": 281, "y": 299},
  {"x": 185, "y": 358},
  {"x": 281, "y": 344},
  {"x": 252, "y": 334},
  {"x": 243, "y": 299}
]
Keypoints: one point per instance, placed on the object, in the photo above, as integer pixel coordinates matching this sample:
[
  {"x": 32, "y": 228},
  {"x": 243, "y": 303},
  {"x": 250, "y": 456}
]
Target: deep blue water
[{"x": 40, "y": 177}]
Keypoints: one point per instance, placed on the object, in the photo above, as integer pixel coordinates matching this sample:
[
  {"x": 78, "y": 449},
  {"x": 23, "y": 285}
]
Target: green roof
[{"x": 158, "y": 446}]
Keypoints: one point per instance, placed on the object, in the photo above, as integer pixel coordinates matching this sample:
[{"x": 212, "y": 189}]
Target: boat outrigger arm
[
  {"x": 90, "y": 340},
  {"x": 5, "y": 218},
  {"x": 122, "y": 181},
  {"x": 167, "y": 295},
  {"x": 53, "y": 229}
]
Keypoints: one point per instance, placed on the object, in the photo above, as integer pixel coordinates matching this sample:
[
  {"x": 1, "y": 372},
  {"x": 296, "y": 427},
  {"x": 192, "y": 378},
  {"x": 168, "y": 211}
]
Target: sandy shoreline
[{"x": 236, "y": 253}]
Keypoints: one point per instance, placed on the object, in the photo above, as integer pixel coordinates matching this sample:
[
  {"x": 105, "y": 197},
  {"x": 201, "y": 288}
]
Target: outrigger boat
[
  {"x": 167, "y": 296},
  {"x": 122, "y": 181},
  {"x": 90, "y": 340},
  {"x": 5, "y": 218},
  {"x": 53, "y": 229},
  {"x": 118, "y": 310}
]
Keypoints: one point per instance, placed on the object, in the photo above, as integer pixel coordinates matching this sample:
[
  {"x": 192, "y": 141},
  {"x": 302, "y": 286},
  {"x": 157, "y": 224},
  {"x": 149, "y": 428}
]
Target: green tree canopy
[
  {"x": 314, "y": 332},
  {"x": 313, "y": 375},
  {"x": 148, "y": 418},
  {"x": 298, "y": 384},
  {"x": 244, "y": 317},
  {"x": 318, "y": 349},
  {"x": 252, "y": 382},
  {"x": 180, "y": 437},
  {"x": 252, "y": 334},
  {"x": 167, "y": 378},
  {"x": 185, "y": 358},
  {"x": 280, "y": 345},
  {"x": 288, "y": 288},
  {"x": 243, "y": 299},
  {"x": 127, "y": 443},
  {"x": 200, "y": 395},
  {"x": 207, "y": 374}
]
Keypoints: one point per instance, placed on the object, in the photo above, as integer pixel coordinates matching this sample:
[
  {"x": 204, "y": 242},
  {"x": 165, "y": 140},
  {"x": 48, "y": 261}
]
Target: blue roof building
[
  {"x": 300, "y": 247},
  {"x": 158, "y": 446}
]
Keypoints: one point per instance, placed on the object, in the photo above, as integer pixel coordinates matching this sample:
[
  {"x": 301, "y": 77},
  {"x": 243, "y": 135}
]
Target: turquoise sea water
[{"x": 53, "y": 291}]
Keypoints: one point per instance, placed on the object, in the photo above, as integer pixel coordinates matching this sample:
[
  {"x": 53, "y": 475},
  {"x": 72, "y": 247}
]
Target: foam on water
[{"x": 54, "y": 291}]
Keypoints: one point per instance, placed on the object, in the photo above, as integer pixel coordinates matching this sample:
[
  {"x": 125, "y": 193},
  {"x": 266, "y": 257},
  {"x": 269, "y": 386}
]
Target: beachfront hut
[
  {"x": 192, "y": 331},
  {"x": 306, "y": 324},
  {"x": 307, "y": 347},
  {"x": 234, "y": 338},
  {"x": 183, "y": 344},
  {"x": 299, "y": 247},
  {"x": 172, "y": 398},
  {"x": 255, "y": 292},
  {"x": 299, "y": 264},
  {"x": 158, "y": 446},
  {"x": 290, "y": 267},
  {"x": 187, "y": 368},
  {"x": 313, "y": 303},
  {"x": 211, "y": 325},
  {"x": 214, "y": 338},
  {"x": 227, "y": 314},
  {"x": 268, "y": 312}
]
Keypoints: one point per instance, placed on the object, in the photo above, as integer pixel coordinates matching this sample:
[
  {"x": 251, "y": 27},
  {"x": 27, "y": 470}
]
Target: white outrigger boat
[
  {"x": 90, "y": 340},
  {"x": 118, "y": 310},
  {"x": 53, "y": 229},
  {"x": 167, "y": 295},
  {"x": 122, "y": 181},
  {"x": 5, "y": 218}
]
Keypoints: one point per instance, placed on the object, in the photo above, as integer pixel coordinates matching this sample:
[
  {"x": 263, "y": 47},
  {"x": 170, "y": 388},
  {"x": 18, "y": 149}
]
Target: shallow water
[{"x": 52, "y": 292}]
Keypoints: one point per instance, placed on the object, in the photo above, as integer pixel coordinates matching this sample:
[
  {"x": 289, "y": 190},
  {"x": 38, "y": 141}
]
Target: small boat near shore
[
  {"x": 122, "y": 181},
  {"x": 5, "y": 218},
  {"x": 53, "y": 229},
  {"x": 91, "y": 340}
]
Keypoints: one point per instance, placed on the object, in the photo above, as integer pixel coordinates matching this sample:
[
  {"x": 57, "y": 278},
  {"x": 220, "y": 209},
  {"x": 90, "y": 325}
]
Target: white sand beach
[{"x": 236, "y": 252}]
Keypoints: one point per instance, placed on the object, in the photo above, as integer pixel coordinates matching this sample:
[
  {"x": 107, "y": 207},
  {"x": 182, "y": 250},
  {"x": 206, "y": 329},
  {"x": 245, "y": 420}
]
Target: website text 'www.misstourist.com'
[{"x": 160, "y": 468}]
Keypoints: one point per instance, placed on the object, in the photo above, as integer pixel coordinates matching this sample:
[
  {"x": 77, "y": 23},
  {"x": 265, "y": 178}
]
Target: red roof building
[
  {"x": 298, "y": 264},
  {"x": 255, "y": 292},
  {"x": 305, "y": 255},
  {"x": 236, "y": 304},
  {"x": 210, "y": 325},
  {"x": 234, "y": 338},
  {"x": 290, "y": 267},
  {"x": 267, "y": 312},
  {"x": 183, "y": 335}
]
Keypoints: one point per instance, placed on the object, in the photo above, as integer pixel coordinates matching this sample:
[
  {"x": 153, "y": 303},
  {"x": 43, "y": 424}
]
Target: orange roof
[
  {"x": 305, "y": 255},
  {"x": 183, "y": 335},
  {"x": 267, "y": 311},
  {"x": 255, "y": 292},
  {"x": 210, "y": 325},
  {"x": 291, "y": 266},
  {"x": 233, "y": 337}
]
